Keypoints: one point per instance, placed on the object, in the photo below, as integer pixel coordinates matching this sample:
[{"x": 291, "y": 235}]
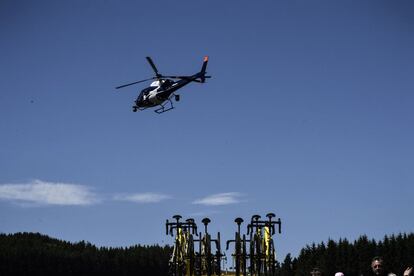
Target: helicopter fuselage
[{"x": 160, "y": 91}]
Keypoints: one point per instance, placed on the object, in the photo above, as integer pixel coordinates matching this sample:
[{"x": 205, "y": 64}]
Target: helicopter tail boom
[{"x": 203, "y": 70}]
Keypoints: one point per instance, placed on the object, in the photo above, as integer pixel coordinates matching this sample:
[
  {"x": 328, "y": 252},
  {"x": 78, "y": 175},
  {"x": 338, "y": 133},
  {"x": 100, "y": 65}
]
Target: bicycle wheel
[
  {"x": 207, "y": 247},
  {"x": 244, "y": 257},
  {"x": 217, "y": 262},
  {"x": 271, "y": 259},
  {"x": 238, "y": 254},
  {"x": 252, "y": 257},
  {"x": 190, "y": 256},
  {"x": 258, "y": 255},
  {"x": 174, "y": 261}
]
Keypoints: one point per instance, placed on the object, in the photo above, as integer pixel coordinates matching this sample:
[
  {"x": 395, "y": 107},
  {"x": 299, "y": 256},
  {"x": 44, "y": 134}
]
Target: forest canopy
[{"x": 32, "y": 253}]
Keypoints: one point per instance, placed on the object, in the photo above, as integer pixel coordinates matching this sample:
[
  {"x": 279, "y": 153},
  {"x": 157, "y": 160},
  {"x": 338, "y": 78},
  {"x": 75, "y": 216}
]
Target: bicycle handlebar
[
  {"x": 259, "y": 224},
  {"x": 188, "y": 225}
]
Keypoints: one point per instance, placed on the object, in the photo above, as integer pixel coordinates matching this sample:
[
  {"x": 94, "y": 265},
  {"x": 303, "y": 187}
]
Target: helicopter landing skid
[
  {"x": 136, "y": 108},
  {"x": 165, "y": 107}
]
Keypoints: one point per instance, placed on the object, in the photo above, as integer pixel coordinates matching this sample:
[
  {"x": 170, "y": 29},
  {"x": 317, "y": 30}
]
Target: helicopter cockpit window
[
  {"x": 167, "y": 83},
  {"x": 148, "y": 89}
]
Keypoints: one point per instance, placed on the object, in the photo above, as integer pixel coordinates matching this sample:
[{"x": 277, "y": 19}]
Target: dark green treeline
[
  {"x": 352, "y": 258},
  {"x": 33, "y": 254},
  {"x": 36, "y": 254}
]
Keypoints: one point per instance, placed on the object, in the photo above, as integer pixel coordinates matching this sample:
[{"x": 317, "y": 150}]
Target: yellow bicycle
[
  {"x": 262, "y": 250},
  {"x": 182, "y": 259}
]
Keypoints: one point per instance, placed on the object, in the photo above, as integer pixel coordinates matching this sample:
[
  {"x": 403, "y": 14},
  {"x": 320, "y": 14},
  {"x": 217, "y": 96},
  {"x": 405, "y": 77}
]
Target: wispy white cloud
[
  {"x": 204, "y": 214},
  {"x": 143, "y": 197},
  {"x": 220, "y": 199},
  {"x": 48, "y": 193}
]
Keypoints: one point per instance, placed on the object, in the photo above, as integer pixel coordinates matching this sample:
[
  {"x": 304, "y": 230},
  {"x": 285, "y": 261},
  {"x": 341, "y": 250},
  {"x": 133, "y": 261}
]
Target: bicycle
[
  {"x": 208, "y": 263},
  {"x": 262, "y": 249},
  {"x": 182, "y": 259},
  {"x": 240, "y": 254}
]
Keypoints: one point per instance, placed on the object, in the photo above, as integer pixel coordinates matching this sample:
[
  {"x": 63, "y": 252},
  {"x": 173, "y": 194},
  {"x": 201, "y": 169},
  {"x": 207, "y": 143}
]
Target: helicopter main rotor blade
[
  {"x": 182, "y": 77},
  {"x": 135, "y": 82},
  {"x": 154, "y": 67},
  {"x": 176, "y": 77}
]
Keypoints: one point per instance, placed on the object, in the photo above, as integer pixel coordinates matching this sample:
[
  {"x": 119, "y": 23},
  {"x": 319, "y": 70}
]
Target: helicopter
[{"x": 162, "y": 90}]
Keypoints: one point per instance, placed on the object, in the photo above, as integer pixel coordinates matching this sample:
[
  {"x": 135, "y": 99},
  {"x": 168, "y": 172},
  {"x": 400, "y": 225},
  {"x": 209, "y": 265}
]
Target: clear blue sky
[{"x": 309, "y": 114}]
